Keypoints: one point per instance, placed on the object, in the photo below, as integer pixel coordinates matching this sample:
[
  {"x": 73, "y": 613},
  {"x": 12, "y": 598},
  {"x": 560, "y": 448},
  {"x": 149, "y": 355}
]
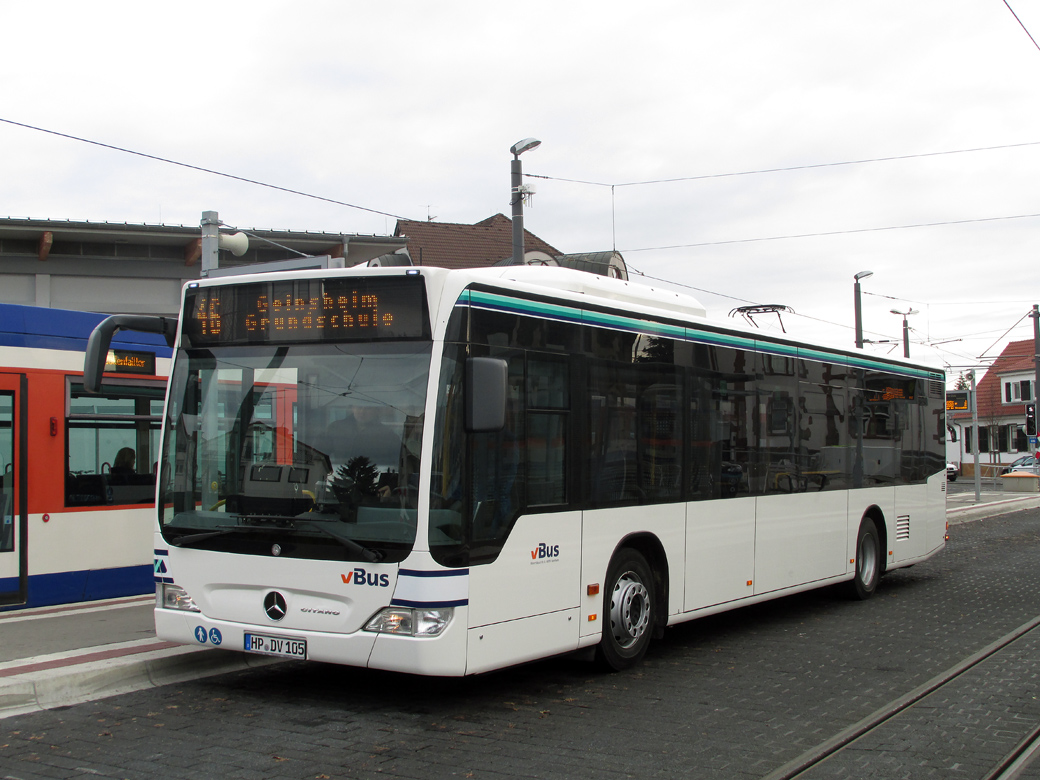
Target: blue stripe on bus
[
  {"x": 428, "y": 604},
  {"x": 524, "y": 307},
  {"x": 161, "y": 552},
  {"x": 37, "y": 327},
  {"x": 435, "y": 573},
  {"x": 68, "y": 587}
]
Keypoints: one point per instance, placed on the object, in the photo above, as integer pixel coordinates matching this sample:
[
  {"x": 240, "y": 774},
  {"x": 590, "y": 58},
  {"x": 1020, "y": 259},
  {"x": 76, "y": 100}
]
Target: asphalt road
[{"x": 732, "y": 696}]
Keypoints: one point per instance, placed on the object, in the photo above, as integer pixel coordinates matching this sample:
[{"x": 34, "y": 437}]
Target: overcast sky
[{"x": 409, "y": 108}]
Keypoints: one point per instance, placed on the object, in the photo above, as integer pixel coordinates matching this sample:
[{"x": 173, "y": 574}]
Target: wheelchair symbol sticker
[{"x": 214, "y": 636}]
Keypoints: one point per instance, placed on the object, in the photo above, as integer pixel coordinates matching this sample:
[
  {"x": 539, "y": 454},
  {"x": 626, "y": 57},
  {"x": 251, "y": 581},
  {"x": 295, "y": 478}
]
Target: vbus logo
[
  {"x": 361, "y": 577},
  {"x": 545, "y": 552}
]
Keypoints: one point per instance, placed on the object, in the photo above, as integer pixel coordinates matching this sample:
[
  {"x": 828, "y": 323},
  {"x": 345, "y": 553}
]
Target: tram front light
[
  {"x": 410, "y": 622},
  {"x": 175, "y": 597}
]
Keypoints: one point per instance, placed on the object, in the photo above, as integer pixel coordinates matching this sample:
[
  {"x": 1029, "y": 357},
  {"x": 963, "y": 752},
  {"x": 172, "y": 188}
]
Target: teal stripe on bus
[
  {"x": 573, "y": 314},
  {"x": 523, "y": 306}
]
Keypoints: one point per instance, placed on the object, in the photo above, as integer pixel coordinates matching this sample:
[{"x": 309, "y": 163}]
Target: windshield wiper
[
  {"x": 189, "y": 539},
  {"x": 285, "y": 524},
  {"x": 223, "y": 530},
  {"x": 368, "y": 553}
]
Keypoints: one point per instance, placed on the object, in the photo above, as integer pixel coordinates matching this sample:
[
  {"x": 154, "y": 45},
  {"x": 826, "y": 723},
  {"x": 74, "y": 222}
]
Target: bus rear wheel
[
  {"x": 868, "y": 561},
  {"x": 628, "y": 611}
]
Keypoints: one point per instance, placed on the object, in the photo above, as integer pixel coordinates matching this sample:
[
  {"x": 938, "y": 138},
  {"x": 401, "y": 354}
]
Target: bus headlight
[
  {"x": 410, "y": 622},
  {"x": 175, "y": 597}
]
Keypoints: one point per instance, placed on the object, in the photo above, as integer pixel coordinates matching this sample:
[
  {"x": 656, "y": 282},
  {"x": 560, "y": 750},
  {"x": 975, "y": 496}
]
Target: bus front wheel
[
  {"x": 868, "y": 561},
  {"x": 628, "y": 611}
]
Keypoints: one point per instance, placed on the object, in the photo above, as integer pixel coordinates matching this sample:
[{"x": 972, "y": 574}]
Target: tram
[{"x": 77, "y": 495}]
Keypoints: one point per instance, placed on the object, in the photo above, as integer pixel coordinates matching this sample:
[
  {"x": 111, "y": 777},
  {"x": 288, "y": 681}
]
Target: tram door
[{"x": 14, "y": 521}]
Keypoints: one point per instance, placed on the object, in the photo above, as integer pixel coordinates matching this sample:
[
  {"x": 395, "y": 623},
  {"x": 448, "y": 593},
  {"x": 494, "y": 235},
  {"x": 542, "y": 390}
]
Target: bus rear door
[{"x": 14, "y": 521}]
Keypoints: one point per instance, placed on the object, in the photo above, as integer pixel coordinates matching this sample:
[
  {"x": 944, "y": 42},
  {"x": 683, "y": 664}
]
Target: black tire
[
  {"x": 629, "y": 611},
  {"x": 868, "y": 561}
]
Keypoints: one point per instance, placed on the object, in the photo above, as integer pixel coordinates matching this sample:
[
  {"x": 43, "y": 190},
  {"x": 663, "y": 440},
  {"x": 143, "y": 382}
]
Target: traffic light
[{"x": 1030, "y": 419}]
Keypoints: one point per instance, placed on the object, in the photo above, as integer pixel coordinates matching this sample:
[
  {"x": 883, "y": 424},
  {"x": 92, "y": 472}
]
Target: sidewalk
[
  {"x": 961, "y": 507},
  {"x": 56, "y": 656}
]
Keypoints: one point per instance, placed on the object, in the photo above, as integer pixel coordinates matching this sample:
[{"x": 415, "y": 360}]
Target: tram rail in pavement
[{"x": 58, "y": 656}]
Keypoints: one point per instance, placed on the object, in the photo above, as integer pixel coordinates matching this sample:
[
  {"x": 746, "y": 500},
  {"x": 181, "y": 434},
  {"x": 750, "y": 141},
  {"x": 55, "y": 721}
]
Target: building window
[
  {"x": 1018, "y": 391},
  {"x": 1021, "y": 440},
  {"x": 969, "y": 443}
]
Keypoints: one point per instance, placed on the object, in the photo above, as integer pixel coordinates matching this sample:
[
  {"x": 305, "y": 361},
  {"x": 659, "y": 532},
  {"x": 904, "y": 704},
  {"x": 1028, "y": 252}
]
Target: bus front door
[{"x": 14, "y": 520}]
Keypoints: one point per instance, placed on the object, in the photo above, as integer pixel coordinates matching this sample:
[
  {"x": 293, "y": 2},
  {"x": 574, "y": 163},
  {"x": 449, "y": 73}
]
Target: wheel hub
[
  {"x": 629, "y": 610},
  {"x": 868, "y": 560}
]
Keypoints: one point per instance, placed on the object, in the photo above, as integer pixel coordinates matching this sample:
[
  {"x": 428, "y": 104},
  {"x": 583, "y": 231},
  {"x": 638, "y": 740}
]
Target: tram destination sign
[
  {"x": 361, "y": 308},
  {"x": 125, "y": 361}
]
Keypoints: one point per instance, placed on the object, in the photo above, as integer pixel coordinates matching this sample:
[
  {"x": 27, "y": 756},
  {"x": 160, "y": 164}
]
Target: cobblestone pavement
[{"x": 730, "y": 696}]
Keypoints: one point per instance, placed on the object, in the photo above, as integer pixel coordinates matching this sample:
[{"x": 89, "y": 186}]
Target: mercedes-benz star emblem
[{"x": 274, "y": 605}]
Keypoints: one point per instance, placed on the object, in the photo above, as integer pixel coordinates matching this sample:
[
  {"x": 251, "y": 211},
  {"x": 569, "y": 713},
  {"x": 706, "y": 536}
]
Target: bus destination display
[{"x": 308, "y": 310}]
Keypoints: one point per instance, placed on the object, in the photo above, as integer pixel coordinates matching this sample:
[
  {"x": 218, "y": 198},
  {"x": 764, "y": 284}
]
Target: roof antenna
[{"x": 749, "y": 312}]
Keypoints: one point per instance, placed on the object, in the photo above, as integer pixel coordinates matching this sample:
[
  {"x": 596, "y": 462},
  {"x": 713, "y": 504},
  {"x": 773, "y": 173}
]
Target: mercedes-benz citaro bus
[{"x": 448, "y": 472}]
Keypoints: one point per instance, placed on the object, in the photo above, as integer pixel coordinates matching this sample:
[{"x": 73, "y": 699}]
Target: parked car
[
  {"x": 1025, "y": 463},
  {"x": 951, "y": 472}
]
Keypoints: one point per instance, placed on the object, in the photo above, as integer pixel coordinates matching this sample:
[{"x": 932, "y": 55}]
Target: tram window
[{"x": 112, "y": 443}]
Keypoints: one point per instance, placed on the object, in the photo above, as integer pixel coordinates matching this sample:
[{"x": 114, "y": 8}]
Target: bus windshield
[{"x": 307, "y": 451}]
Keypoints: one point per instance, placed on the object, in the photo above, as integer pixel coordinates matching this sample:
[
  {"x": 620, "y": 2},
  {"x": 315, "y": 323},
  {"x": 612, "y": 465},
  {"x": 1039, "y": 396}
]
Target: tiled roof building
[
  {"x": 1001, "y": 396},
  {"x": 993, "y": 399},
  {"x": 454, "y": 245}
]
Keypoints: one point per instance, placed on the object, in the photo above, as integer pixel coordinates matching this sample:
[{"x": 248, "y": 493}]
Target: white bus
[{"x": 448, "y": 472}]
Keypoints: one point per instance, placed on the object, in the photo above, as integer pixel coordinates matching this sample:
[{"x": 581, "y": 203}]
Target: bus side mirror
[
  {"x": 101, "y": 339},
  {"x": 486, "y": 392}
]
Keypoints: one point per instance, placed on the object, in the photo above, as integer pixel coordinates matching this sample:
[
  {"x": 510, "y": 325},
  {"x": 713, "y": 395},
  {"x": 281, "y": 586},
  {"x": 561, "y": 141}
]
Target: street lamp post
[
  {"x": 516, "y": 184},
  {"x": 906, "y": 329},
  {"x": 859, "y": 311}
]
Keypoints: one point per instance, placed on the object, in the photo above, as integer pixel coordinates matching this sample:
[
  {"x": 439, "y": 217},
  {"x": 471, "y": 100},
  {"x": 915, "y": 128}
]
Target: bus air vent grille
[{"x": 902, "y": 527}]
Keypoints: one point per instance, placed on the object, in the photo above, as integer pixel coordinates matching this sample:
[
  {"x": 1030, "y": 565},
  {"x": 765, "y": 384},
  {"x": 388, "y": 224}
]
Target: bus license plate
[{"x": 281, "y": 646}]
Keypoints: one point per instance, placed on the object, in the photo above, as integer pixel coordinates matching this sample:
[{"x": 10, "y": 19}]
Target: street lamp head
[
  {"x": 522, "y": 146},
  {"x": 863, "y": 275},
  {"x": 904, "y": 313}
]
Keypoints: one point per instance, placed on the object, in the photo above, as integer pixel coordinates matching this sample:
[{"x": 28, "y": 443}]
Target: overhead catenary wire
[
  {"x": 345, "y": 204},
  {"x": 1012, "y": 10},
  {"x": 199, "y": 168},
  {"x": 833, "y": 233},
  {"x": 945, "y": 303},
  {"x": 808, "y": 166},
  {"x": 355, "y": 206},
  {"x": 987, "y": 349},
  {"x": 802, "y": 315},
  {"x": 742, "y": 300}
]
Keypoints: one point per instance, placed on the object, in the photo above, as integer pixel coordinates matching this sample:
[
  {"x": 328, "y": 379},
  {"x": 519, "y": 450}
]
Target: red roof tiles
[
  {"x": 453, "y": 245},
  {"x": 1017, "y": 357}
]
